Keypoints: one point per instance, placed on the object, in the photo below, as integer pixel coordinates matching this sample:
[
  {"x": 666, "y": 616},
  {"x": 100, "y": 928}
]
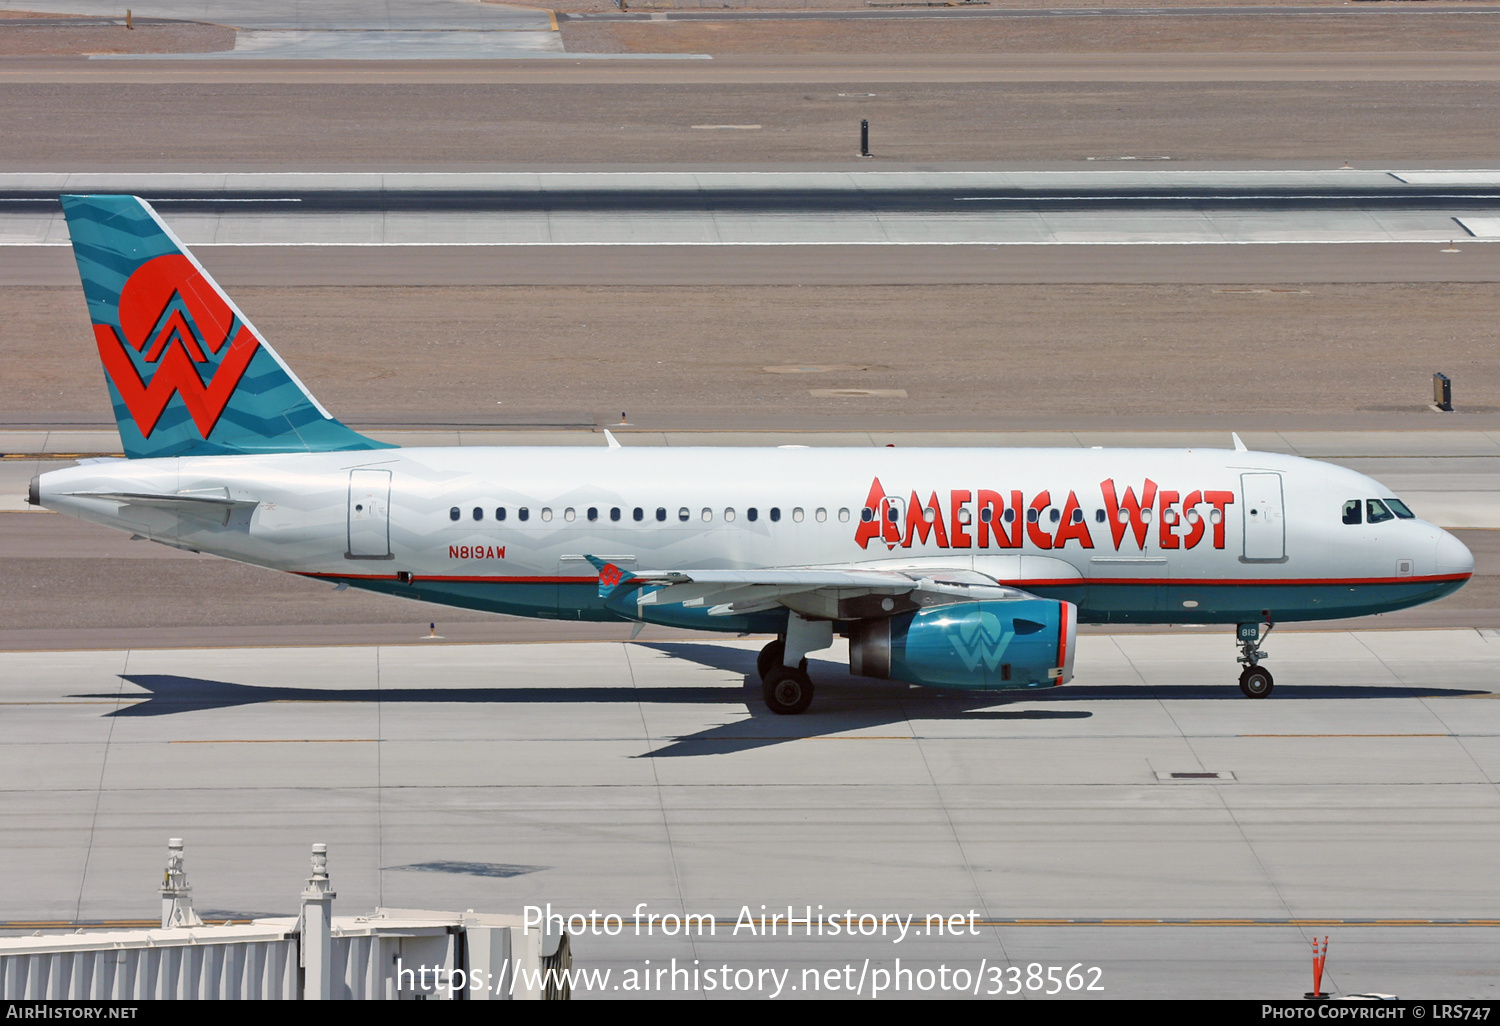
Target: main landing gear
[
  {"x": 787, "y": 690},
  {"x": 1255, "y": 681}
]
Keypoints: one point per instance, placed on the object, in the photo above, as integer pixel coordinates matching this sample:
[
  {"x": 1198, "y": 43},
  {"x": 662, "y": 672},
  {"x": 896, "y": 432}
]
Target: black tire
[
  {"x": 787, "y": 692},
  {"x": 770, "y": 656},
  {"x": 1257, "y": 682}
]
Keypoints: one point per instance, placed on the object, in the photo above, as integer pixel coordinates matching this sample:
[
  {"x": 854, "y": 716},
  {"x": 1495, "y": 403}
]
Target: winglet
[
  {"x": 614, "y": 443},
  {"x": 610, "y": 576},
  {"x": 1239, "y": 446}
]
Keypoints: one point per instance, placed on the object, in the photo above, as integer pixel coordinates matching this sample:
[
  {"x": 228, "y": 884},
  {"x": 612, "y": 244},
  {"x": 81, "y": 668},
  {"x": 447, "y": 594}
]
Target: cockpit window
[
  {"x": 1378, "y": 513},
  {"x": 1354, "y": 511},
  {"x": 1399, "y": 508}
]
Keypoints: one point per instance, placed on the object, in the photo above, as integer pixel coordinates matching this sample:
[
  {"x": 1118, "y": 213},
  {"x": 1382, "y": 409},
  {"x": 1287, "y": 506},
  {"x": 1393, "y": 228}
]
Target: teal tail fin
[{"x": 188, "y": 373}]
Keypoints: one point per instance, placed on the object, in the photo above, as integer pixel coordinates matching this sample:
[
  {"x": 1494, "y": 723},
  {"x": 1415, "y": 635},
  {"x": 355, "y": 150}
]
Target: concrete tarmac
[{"x": 602, "y": 776}]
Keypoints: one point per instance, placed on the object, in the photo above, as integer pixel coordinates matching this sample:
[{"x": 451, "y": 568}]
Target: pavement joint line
[{"x": 280, "y": 741}]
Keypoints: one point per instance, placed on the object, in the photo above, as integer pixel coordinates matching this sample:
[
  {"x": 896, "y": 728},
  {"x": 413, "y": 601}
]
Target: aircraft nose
[{"x": 1453, "y": 556}]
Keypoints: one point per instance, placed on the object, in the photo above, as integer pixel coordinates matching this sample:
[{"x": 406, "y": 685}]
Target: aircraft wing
[{"x": 823, "y": 592}]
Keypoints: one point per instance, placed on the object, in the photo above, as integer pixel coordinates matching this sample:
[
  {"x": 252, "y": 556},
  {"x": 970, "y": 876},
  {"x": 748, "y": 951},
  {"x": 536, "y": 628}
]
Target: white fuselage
[{"x": 1130, "y": 534}]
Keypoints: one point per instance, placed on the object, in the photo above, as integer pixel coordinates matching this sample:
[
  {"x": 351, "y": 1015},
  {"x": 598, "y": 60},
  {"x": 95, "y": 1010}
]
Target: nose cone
[{"x": 1453, "y": 556}]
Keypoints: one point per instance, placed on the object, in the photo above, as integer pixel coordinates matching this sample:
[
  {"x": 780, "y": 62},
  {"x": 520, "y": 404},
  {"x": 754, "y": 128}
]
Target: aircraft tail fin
[{"x": 188, "y": 374}]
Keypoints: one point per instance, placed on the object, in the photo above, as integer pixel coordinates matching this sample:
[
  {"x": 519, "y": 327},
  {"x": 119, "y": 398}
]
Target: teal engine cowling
[{"x": 1024, "y": 643}]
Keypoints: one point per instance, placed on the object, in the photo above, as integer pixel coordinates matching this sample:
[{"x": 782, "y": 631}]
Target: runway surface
[
  {"x": 604, "y": 775},
  {"x": 786, "y": 209}
]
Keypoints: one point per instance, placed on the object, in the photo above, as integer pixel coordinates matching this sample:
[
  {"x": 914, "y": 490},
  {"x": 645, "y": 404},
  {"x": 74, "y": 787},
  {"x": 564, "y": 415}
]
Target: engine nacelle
[{"x": 1027, "y": 643}]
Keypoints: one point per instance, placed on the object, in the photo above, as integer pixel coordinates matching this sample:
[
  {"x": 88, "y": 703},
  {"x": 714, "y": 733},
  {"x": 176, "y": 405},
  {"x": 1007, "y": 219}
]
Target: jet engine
[{"x": 1024, "y": 643}]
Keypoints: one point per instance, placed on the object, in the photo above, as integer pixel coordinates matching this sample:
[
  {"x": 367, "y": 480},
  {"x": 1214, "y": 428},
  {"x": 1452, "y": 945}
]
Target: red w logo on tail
[{"x": 170, "y": 341}]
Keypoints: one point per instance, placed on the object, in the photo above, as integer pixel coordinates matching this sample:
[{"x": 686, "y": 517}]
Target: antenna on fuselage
[
  {"x": 1239, "y": 446},
  {"x": 614, "y": 443}
]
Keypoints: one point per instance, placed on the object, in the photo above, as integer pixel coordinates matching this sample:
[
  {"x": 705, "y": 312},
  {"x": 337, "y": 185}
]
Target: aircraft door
[
  {"x": 369, "y": 515},
  {"x": 1264, "y": 517}
]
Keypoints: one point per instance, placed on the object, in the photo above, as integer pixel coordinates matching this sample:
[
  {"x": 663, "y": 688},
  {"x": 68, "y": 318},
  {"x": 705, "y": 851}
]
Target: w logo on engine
[
  {"x": 981, "y": 639},
  {"x": 180, "y": 337}
]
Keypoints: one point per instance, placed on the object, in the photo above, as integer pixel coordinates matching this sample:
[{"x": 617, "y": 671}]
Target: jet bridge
[{"x": 391, "y": 954}]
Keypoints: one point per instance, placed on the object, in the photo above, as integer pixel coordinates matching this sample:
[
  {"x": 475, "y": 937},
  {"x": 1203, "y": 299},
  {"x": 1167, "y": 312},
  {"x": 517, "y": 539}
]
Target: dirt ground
[
  {"x": 960, "y": 350},
  {"x": 1389, "y": 31},
  {"x": 24, "y": 34},
  {"x": 217, "y": 126}
]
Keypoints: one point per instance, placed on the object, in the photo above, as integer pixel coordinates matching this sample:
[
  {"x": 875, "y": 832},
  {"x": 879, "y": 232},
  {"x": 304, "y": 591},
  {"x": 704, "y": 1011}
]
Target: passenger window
[
  {"x": 499, "y": 512},
  {"x": 751, "y": 513},
  {"x": 866, "y": 515},
  {"x": 568, "y": 514},
  {"x": 729, "y": 515},
  {"x": 1354, "y": 512},
  {"x": 1377, "y": 512},
  {"x": 1031, "y": 516},
  {"x": 546, "y": 512},
  {"x": 797, "y": 515},
  {"x": 523, "y": 513},
  {"x": 986, "y": 515},
  {"x": 1400, "y": 509},
  {"x": 639, "y": 513},
  {"x": 843, "y": 516},
  {"x": 684, "y": 513},
  {"x": 1078, "y": 516},
  {"x": 1099, "y": 516},
  {"x": 775, "y": 513},
  {"x": 708, "y": 515},
  {"x": 593, "y": 512},
  {"x": 614, "y": 513},
  {"x": 1010, "y": 515},
  {"x": 478, "y": 513},
  {"x": 821, "y": 515},
  {"x": 1055, "y": 515},
  {"x": 661, "y": 513},
  {"x": 454, "y": 514}
]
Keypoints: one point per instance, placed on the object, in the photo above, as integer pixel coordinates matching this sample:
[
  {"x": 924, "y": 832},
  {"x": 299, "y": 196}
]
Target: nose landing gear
[{"x": 1255, "y": 681}]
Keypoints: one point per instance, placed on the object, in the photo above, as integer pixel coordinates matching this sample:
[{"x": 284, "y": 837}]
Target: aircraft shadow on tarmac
[{"x": 844, "y": 703}]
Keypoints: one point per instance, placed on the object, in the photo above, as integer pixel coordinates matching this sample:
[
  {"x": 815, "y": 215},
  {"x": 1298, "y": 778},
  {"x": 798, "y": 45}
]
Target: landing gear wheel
[
  {"x": 1256, "y": 682},
  {"x": 787, "y": 691},
  {"x": 770, "y": 656}
]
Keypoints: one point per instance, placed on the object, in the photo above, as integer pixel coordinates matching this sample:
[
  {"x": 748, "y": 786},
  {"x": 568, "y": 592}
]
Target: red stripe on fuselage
[{"x": 1062, "y": 582}]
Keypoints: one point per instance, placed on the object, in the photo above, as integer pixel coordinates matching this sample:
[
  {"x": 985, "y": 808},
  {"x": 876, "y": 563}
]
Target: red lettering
[
  {"x": 1219, "y": 501},
  {"x": 1034, "y": 530},
  {"x": 452, "y": 551},
  {"x": 1133, "y": 508},
  {"x": 870, "y": 529},
  {"x": 1018, "y": 516},
  {"x": 917, "y": 522},
  {"x": 1070, "y": 531},
  {"x": 1165, "y": 536},
  {"x": 1196, "y": 525},
  {"x": 960, "y": 537},
  {"x": 990, "y": 503}
]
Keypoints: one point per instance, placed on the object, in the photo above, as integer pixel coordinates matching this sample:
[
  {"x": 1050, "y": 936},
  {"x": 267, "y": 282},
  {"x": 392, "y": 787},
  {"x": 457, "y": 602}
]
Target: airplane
[{"x": 946, "y": 567}]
